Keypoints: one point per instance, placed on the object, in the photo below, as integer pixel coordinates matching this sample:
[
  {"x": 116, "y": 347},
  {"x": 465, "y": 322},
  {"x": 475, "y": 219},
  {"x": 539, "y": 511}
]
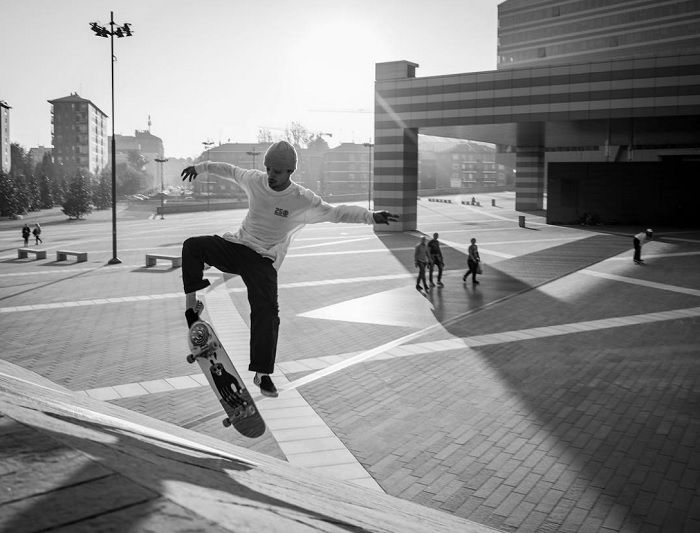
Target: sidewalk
[{"x": 560, "y": 394}]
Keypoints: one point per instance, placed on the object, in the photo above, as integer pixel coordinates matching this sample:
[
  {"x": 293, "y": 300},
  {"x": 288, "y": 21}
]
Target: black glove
[
  {"x": 384, "y": 217},
  {"x": 189, "y": 174}
]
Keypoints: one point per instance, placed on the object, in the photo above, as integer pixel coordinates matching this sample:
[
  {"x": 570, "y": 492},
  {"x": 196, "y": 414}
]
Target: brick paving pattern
[{"x": 560, "y": 394}]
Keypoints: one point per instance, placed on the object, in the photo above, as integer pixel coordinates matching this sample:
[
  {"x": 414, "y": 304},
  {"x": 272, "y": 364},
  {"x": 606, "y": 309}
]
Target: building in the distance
[
  {"x": 5, "y": 157},
  {"x": 37, "y": 154},
  {"x": 146, "y": 145},
  {"x": 79, "y": 134},
  {"x": 598, "y": 101}
]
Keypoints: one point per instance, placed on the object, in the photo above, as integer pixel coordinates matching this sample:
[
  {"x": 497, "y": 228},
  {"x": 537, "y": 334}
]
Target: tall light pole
[
  {"x": 369, "y": 175},
  {"x": 207, "y": 145},
  {"x": 120, "y": 31},
  {"x": 162, "y": 191},
  {"x": 254, "y": 153}
]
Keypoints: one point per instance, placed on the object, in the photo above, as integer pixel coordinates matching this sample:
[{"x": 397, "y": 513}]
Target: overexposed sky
[{"x": 221, "y": 69}]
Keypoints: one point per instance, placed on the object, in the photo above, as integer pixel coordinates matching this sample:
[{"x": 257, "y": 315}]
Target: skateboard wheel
[
  {"x": 191, "y": 358},
  {"x": 226, "y": 422},
  {"x": 199, "y": 335}
]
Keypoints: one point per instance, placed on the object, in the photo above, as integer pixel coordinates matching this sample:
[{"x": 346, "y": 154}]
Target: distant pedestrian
[
  {"x": 640, "y": 239},
  {"x": 422, "y": 259},
  {"x": 473, "y": 261},
  {"x": 37, "y": 233},
  {"x": 26, "y": 232},
  {"x": 435, "y": 260}
]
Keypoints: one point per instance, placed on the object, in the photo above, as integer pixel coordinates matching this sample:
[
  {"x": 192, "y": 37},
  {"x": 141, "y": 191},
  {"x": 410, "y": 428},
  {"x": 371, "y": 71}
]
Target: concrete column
[
  {"x": 396, "y": 177},
  {"x": 529, "y": 179},
  {"x": 395, "y": 187}
]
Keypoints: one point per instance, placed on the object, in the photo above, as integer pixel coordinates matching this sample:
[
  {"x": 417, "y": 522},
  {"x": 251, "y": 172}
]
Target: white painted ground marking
[{"x": 312, "y": 443}]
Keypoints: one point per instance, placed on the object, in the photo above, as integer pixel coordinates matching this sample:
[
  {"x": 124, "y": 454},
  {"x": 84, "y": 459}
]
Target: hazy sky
[{"x": 221, "y": 69}]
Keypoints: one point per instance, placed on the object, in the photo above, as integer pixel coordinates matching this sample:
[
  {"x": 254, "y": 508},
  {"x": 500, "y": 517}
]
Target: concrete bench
[
  {"x": 22, "y": 253},
  {"x": 151, "y": 259},
  {"x": 62, "y": 255}
]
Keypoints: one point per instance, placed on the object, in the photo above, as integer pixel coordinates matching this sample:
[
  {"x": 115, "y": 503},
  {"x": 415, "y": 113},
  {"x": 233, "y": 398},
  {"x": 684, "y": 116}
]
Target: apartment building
[{"x": 79, "y": 134}]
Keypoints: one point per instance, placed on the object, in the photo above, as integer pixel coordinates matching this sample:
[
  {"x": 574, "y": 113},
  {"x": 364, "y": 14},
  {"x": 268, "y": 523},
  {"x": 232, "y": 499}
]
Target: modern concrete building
[
  {"x": 79, "y": 134},
  {"x": 5, "y": 157},
  {"x": 605, "y": 122}
]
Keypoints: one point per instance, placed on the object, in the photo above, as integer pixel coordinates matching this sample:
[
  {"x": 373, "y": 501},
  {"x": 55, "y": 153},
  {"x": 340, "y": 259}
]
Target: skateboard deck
[{"x": 241, "y": 411}]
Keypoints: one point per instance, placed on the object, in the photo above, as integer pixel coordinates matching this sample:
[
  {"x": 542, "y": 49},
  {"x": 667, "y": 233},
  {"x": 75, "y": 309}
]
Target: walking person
[
  {"x": 421, "y": 260},
  {"x": 473, "y": 261},
  {"x": 638, "y": 241},
  {"x": 435, "y": 260},
  {"x": 277, "y": 209},
  {"x": 26, "y": 232},
  {"x": 37, "y": 234}
]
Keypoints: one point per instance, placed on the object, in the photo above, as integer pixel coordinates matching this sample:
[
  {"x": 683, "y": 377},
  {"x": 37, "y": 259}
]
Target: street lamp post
[
  {"x": 369, "y": 175},
  {"x": 253, "y": 153},
  {"x": 162, "y": 191},
  {"x": 207, "y": 145},
  {"x": 120, "y": 31}
]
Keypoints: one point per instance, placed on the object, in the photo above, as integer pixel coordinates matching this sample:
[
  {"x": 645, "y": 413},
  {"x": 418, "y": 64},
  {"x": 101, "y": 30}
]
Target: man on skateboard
[{"x": 277, "y": 209}]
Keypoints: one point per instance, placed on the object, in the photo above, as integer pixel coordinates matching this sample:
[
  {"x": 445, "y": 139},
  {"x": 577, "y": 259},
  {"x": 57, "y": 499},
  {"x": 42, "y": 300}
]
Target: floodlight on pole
[
  {"x": 207, "y": 145},
  {"x": 120, "y": 31},
  {"x": 369, "y": 175},
  {"x": 162, "y": 191}
]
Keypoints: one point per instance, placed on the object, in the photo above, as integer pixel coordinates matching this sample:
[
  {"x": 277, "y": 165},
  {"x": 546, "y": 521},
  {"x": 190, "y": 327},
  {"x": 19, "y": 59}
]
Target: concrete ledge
[
  {"x": 80, "y": 463},
  {"x": 23, "y": 253},
  {"x": 151, "y": 259},
  {"x": 61, "y": 255}
]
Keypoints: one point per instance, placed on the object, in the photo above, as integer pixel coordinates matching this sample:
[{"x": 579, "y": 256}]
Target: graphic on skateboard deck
[{"x": 225, "y": 381}]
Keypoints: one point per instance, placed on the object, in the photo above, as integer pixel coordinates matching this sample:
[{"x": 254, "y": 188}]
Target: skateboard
[{"x": 241, "y": 411}]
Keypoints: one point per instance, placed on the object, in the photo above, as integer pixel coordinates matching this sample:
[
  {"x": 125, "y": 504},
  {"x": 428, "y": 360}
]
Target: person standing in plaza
[
  {"x": 638, "y": 241},
  {"x": 37, "y": 233},
  {"x": 26, "y": 232},
  {"x": 435, "y": 260},
  {"x": 473, "y": 261},
  {"x": 421, "y": 260},
  {"x": 277, "y": 209}
]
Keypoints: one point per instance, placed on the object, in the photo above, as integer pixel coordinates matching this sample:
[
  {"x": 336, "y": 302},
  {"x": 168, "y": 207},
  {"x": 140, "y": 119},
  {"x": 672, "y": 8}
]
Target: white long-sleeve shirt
[{"x": 274, "y": 217}]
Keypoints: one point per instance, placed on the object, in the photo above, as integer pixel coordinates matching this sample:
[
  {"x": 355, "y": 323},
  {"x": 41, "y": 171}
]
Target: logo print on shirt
[{"x": 281, "y": 212}]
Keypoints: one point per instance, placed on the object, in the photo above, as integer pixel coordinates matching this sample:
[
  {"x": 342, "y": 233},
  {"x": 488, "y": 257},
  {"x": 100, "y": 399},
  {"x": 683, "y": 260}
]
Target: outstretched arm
[{"x": 384, "y": 217}]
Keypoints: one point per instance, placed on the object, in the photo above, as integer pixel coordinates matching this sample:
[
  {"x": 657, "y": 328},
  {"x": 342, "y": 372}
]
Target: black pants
[
  {"x": 473, "y": 265},
  {"x": 637, "y": 249},
  {"x": 421, "y": 275},
  {"x": 436, "y": 263},
  {"x": 259, "y": 276}
]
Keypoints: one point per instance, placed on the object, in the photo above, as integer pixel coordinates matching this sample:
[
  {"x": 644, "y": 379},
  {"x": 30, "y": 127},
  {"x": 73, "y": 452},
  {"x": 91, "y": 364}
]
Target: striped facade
[
  {"x": 548, "y": 32},
  {"x": 605, "y": 108}
]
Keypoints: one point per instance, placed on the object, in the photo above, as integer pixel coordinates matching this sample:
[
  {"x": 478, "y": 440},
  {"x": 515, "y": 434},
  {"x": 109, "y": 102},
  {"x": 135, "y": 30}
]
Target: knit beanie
[{"x": 281, "y": 156}]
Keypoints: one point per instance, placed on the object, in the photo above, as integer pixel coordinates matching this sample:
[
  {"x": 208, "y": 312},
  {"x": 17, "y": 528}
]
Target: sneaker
[
  {"x": 432, "y": 284},
  {"x": 441, "y": 284},
  {"x": 192, "y": 314},
  {"x": 418, "y": 287},
  {"x": 267, "y": 388}
]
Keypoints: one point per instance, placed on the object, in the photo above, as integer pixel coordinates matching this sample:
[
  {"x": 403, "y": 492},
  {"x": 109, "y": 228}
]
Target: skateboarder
[
  {"x": 639, "y": 240},
  {"x": 277, "y": 209}
]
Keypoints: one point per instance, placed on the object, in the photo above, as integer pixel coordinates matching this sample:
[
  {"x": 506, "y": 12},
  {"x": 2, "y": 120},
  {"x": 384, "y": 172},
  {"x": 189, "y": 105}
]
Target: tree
[
  {"x": 264, "y": 135},
  {"x": 77, "y": 202},
  {"x": 33, "y": 193},
  {"x": 21, "y": 162},
  {"x": 8, "y": 196},
  {"x": 45, "y": 193},
  {"x": 102, "y": 191},
  {"x": 297, "y": 135}
]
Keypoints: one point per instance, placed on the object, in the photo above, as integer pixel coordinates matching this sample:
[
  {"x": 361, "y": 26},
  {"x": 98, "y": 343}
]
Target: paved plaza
[{"x": 562, "y": 393}]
